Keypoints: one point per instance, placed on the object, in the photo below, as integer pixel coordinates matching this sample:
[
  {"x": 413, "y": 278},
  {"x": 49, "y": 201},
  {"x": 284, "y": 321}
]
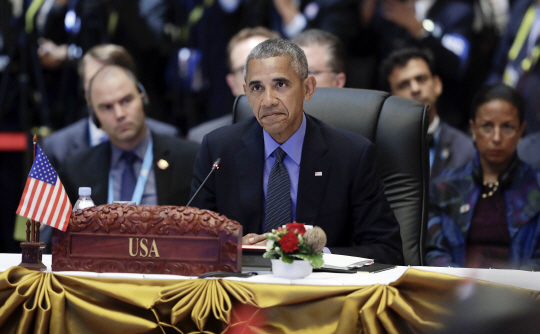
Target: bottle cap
[{"x": 85, "y": 191}]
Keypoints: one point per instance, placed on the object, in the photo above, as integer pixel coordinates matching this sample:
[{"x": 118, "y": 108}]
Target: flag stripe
[
  {"x": 59, "y": 199},
  {"x": 35, "y": 191},
  {"x": 43, "y": 202},
  {"x": 50, "y": 206},
  {"x": 46, "y": 207},
  {"x": 37, "y": 212},
  {"x": 23, "y": 201}
]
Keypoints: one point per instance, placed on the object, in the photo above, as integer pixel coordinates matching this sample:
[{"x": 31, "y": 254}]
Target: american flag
[{"x": 44, "y": 198}]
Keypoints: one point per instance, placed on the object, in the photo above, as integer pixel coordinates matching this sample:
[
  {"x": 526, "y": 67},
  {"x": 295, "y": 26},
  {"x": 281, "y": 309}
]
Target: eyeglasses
[{"x": 505, "y": 130}]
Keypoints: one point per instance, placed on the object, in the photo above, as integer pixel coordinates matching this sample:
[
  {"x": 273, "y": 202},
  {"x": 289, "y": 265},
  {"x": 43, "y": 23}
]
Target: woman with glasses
[{"x": 486, "y": 214}]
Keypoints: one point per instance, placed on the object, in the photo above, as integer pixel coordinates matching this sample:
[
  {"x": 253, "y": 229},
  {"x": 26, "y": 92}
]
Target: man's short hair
[
  {"x": 279, "y": 47},
  {"x": 334, "y": 47},
  {"x": 400, "y": 58},
  {"x": 498, "y": 91},
  {"x": 108, "y": 54},
  {"x": 244, "y": 34},
  {"x": 131, "y": 76}
]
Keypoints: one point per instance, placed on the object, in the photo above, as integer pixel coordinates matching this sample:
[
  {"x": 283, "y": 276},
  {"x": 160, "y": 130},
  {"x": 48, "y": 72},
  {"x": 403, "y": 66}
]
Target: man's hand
[
  {"x": 254, "y": 239},
  {"x": 403, "y": 14},
  {"x": 51, "y": 55}
]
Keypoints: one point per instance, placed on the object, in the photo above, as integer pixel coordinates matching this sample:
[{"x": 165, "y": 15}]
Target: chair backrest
[{"x": 398, "y": 127}]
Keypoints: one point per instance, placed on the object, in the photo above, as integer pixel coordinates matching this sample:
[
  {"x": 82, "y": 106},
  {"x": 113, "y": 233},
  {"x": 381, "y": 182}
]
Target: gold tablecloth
[{"x": 36, "y": 302}]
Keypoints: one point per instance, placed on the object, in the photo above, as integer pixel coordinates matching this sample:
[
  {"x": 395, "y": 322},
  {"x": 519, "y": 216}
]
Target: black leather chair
[{"x": 398, "y": 127}]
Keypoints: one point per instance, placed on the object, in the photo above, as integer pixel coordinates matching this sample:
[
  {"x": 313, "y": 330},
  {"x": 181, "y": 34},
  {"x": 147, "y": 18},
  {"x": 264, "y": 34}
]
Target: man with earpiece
[
  {"x": 136, "y": 164},
  {"x": 83, "y": 133}
]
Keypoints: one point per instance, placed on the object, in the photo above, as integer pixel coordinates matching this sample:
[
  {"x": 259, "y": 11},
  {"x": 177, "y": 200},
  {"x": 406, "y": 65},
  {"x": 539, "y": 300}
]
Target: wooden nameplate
[{"x": 176, "y": 240}]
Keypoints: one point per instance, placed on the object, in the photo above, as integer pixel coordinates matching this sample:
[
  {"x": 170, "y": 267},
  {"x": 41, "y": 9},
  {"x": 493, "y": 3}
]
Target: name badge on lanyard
[{"x": 141, "y": 180}]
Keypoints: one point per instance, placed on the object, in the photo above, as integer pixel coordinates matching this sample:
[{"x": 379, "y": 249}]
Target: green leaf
[
  {"x": 286, "y": 258},
  {"x": 271, "y": 255},
  {"x": 316, "y": 260}
]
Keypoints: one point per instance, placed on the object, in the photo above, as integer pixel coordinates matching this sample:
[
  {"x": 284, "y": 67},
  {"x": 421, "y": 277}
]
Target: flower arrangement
[{"x": 294, "y": 241}]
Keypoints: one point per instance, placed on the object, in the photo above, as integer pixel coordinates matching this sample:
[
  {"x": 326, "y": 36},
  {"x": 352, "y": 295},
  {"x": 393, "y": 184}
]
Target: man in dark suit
[
  {"x": 330, "y": 178},
  {"x": 136, "y": 164},
  {"x": 83, "y": 133},
  {"x": 409, "y": 73}
]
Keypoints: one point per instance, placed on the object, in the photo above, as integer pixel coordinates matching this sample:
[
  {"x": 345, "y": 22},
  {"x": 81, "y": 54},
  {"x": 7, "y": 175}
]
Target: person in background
[
  {"x": 283, "y": 165},
  {"x": 237, "y": 51},
  {"x": 325, "y": 57},
  {"x": 136, "y": 164},
  {"x": 515, "y": 61},
  {"x": 529, "y": 149},
  {"x": 486, "y": 214},
  {"x": 84, "y": 133},
  {"x": 410, "y": 73},
  {"x": 444, "y": 27}
]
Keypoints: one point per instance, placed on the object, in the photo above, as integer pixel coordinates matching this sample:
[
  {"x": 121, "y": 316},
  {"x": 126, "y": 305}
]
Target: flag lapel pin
[{"x": 318, "y": 173}]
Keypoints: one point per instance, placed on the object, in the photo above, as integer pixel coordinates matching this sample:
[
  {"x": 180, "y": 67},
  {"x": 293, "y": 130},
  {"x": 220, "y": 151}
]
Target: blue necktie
[
  {"x": 278, "y": 195},
  {"x": 128, "y": 176}
]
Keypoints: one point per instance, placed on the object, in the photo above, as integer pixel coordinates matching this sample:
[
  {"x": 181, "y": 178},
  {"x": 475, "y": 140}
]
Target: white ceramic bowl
[{"x": 297, "y": 269}]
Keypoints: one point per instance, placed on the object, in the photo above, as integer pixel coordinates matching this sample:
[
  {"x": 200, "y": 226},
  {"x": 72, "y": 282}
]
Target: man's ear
[
  {"x": 438, "y": 85},
  {"x": 230, "y": 81},
  {"x": 340, "y": 79},
  {"x": 309, "y": 87}
]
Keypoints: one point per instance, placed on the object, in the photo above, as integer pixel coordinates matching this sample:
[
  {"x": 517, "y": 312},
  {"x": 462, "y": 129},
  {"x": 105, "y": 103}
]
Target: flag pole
[{"x": 32, "y": 249}]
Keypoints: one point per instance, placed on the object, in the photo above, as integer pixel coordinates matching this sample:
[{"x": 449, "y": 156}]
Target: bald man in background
[{"x": 237, "y": 50}]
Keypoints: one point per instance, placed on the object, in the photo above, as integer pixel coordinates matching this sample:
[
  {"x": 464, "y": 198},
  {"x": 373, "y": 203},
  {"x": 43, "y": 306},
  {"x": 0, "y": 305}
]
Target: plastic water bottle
[{"x": 84, "y": 200}]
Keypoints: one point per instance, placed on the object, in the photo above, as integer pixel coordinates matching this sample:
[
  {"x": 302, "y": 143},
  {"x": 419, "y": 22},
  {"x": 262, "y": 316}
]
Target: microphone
[{"x": 214, "y": 167}]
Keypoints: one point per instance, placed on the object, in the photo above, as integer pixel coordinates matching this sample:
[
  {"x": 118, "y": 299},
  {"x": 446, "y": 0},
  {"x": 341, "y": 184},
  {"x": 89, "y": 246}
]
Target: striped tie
[{"x": 278, "y": 196}]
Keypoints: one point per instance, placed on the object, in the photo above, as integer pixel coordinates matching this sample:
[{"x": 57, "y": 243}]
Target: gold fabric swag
[{"x": 36, "y": 302}]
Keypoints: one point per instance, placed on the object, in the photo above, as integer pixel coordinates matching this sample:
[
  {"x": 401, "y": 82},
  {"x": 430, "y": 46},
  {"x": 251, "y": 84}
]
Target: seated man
[
  {"x": 83, "y": 133},
  {"x": 325, "y": 56},
  {"x": 135, "y": 164},
  {"x": 283, "y": 165},
  {"x": 409, "y": 73}
]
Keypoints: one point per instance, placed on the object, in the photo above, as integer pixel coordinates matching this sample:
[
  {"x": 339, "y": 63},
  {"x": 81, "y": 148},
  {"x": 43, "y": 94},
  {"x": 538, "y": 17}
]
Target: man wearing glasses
[{"x": 325, "y": 56}]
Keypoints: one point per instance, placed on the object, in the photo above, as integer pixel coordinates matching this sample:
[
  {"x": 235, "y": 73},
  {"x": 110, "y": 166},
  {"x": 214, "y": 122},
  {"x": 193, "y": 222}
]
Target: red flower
[
  {"x": 289, "y": 242},
  {"x": 296, "y": 227}
]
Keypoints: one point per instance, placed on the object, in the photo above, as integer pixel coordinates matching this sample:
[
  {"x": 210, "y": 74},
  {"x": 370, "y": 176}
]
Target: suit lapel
[
  {"x": 314, "y": 174},
  {"x": 249, "y": 171}
]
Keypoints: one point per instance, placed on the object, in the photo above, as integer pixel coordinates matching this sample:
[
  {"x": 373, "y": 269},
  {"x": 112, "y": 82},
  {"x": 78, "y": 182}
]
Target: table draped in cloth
[{"x": 418, "y": 302}]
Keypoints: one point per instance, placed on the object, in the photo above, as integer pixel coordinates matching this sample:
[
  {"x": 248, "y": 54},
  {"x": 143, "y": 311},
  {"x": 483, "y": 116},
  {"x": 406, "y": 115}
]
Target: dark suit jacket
[
  {"x": 75, "y": 138},
  {"x": 529, "y": 149},
  {"x": 453, "y": 150},
  {"x": 347, "y": 201},
  {"x": 90, "y": 168}
]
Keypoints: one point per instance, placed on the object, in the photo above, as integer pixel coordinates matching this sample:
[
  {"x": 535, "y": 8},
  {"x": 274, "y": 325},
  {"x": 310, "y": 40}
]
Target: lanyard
[
  {"x": 141, "y": 180},
  {"x": 523, "y": 32}
]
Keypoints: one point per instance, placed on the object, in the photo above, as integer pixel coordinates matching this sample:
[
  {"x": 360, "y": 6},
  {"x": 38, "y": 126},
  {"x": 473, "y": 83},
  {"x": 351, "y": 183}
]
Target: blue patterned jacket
[{"x": 453, "y": 198}]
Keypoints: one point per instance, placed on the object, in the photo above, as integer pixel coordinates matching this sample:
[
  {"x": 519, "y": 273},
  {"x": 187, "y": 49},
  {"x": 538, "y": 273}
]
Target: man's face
[
  {"x": 317, "y": 58},
  {"x": 118, "y": 106},
  {"x": 238, "y": 55},
  {"x": 276, "y": 94},
  {"x": 91, "y": 66},
  {"x": 415, "y": 81}
]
